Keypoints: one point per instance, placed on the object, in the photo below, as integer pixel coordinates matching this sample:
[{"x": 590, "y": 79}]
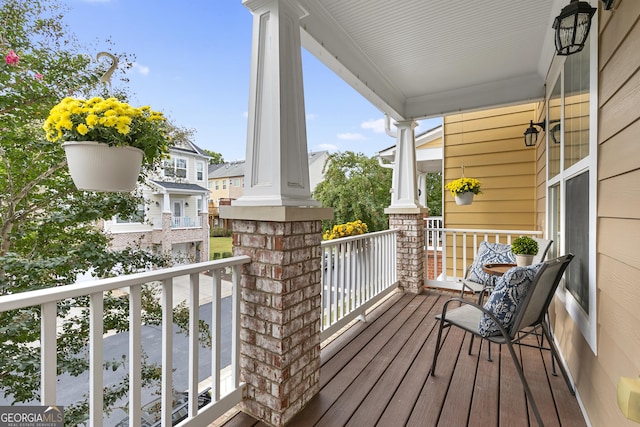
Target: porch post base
[
  {"x": 280, "y": 309},
  {"x": 410, "y": 252}
]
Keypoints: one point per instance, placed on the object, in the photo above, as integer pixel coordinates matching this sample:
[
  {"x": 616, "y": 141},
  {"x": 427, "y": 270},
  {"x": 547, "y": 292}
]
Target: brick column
[
  {"x": 280, "y": 307},
  {"x": 410, "y": 249}
]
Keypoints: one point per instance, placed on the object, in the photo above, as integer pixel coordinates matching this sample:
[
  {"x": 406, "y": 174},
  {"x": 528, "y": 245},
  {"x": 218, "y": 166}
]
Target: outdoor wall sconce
[
  {"x": 555, "y": 133},
  {"x": 531, "y": 134},
  {"x": 186, "y": 204},
  {"x": 572, "y": 27}
]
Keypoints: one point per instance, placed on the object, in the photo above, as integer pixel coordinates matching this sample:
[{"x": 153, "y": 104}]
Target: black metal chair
[{"x": 529, "y": 317}]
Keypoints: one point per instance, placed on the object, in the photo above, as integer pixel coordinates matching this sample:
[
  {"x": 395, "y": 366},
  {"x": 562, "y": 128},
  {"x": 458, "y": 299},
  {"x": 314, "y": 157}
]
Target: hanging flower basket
[
  {"x": 106, "y": 141},
  {"x": 96, "y": 166},
  {"x": 463, "y": 189}
]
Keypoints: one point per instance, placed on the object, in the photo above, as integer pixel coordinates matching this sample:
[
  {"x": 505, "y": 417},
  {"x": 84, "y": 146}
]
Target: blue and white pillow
[
  {"x": 489, "y": 253},
  {"x": 510, "y": 291}
]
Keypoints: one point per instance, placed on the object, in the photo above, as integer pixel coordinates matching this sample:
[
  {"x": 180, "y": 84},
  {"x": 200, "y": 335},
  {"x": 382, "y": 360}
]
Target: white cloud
[
  {"x": 328, "y": 147},
  {"x": 376, "y": 125},
  {"x": 350, "y": 136},
  {"x": 142, "y": 69},
  {"x": 312, "y": 116}
]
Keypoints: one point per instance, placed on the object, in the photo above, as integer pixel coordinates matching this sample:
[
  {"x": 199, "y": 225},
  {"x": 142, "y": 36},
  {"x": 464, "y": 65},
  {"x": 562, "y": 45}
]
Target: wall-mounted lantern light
[
  {"x": 572, "y": 27},
  {"x": 531, "y": 134}
]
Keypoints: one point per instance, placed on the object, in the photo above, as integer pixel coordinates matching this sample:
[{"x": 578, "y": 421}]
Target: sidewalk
[{"x": 181, "y": 289}]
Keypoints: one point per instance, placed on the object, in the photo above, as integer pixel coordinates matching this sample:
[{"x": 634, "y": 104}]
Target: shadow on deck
[{"x": 376, "y": 373}]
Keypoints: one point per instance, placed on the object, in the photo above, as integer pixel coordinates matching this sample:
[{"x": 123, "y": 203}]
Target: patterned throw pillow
[
  {"x": 494, "y": 253},
  {"x": 510, "y": 291}
]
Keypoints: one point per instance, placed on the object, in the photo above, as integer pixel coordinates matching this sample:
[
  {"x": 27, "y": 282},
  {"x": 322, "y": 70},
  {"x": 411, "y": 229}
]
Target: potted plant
[
  {"x": 463, "y": 189},
  {"x": 97, "y": 130},
  {"x": 524, "y": 248}
]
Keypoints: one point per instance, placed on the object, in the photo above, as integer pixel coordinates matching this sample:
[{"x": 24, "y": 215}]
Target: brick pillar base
[
  {"x": 280, "y": 313},
  {"x": 410, "y": 255}
]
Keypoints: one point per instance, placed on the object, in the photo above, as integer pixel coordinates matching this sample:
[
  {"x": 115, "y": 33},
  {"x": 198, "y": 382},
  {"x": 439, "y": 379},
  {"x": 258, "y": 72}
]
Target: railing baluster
[
  {"x": 167, "y": 351},
  {"x": 96, "y": 357},
  {"x": 135, "y": 354},
  {"x": 194, "y": 320},
  {"x": 235, "y": 326},
  {"x": 48, "y": 353},
  {"x": 215, "y": 322}
]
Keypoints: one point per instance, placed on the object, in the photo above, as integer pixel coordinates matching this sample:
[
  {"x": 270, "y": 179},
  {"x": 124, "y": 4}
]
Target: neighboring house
[
  {"x": 226, "y": 183},
  {"x": 174, "y": 217}
]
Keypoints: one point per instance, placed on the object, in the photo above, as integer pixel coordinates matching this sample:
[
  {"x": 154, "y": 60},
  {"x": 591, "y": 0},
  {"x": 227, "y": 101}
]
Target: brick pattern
[
  {"x": 280, "y": 316},
  {"x": 410, "y": 259}
]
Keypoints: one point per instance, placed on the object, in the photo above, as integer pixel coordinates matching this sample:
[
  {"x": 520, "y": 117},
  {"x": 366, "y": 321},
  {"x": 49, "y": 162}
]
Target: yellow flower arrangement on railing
[
  {"x": 109, "y": 121},
  {"x": 463, "y": 185},
  {"x": 353, "y": 228}
]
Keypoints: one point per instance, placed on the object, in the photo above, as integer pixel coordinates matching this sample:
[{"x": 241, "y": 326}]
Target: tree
[
  {"x": 356, "y": 187},
  {"x": 216, "y": 158},
  {"x": 48, "y": 233},
  {"x": 434, "y": 193}
]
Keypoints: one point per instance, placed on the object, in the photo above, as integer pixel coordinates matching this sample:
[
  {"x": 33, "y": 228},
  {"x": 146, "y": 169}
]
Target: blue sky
[{"x": 193, "y": 64}]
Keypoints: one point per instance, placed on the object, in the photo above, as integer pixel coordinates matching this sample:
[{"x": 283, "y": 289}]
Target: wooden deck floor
[{"x": 376, "y": 373}]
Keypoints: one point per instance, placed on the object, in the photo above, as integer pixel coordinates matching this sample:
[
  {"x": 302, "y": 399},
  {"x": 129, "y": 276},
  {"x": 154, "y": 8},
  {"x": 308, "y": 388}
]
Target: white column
[
  {"x": 422, "y": 190},
  {"x": 404, "y": 183},
  {"x": 277, "y": 166}
]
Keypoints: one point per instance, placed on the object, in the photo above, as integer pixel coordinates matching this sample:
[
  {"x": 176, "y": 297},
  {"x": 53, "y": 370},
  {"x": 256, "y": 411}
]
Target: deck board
[{"x": 376, "y": 374}]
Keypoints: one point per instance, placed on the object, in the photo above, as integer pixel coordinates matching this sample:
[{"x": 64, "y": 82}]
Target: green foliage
[
  {"x": 356, "y": 187},
  {"x": 220, "y": 232},
  {"x": 434, "y": 193},
  {"x": 524, "y": 245},
  {"x": 49, "y": 231},
  {"x": 216, "y": 158}
]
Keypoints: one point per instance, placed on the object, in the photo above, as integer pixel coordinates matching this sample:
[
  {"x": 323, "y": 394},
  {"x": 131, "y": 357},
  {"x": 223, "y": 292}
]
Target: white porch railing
[
  {"x": 48, "y": 298},
  {"x": 185, "y": 222},
  {"x": 357, "y": 272},
  {"x": 452, "y": 250}
]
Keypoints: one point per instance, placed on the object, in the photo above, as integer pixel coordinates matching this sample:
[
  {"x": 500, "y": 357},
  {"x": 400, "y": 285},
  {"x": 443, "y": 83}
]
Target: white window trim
[
  {"x": 175, "y": 161},
  {"x": 200, "y": 163},
  {"x": 587, "y": 324}
]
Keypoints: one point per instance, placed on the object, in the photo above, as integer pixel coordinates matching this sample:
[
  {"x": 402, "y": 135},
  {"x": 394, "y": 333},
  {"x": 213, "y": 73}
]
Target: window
[
  {"x": 136, "y": 218},
  {"x": 200, "y": 171},
  {"x": 217, "y": 185},
  {"x": 175, "y": 167},
  {"x": 209, "y": 184},
  {"x": 236, "y": 182},
  {"x": 572, "y": 184},
  {"x": 198, "y": 205},
  {"x": 224, "y": 184}
]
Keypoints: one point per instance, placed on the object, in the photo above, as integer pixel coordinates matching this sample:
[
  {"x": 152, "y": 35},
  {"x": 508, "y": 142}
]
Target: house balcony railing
[
  {"x": 450, "y": 251},
  {"x": 357, "y": 272},
  {"x": 178, "y": 222},
  {"x": 47, "y": 300}
]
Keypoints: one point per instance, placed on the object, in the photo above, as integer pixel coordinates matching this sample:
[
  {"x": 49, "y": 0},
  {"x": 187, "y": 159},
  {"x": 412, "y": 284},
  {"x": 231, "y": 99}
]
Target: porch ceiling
[{"x": 425, "y": 58}]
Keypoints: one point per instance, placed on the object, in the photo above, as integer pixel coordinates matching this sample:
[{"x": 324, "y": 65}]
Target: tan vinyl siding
[
  {"x": 618, "y": 261},
  {"x": 489, "y": 144}
]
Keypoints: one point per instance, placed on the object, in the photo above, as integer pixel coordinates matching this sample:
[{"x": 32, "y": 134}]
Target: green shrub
[{"x": 524, "y": 245}]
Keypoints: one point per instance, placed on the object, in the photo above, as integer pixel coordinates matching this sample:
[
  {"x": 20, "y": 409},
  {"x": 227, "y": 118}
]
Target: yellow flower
[{"x": 82, "y": 129}]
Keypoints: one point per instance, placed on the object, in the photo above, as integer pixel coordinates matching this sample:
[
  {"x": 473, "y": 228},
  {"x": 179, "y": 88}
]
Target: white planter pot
[
  {"x": 523, "y": 260},
  {"x": 98, "y": 167},
  {"x": 464, "y": 198}
]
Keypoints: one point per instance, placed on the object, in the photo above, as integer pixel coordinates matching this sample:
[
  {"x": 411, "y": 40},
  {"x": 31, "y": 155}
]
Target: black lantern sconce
[
  {"x": 531, "y": 134},
  {"x": 572, "y": 26},
  {"x": 555, "y": 133}
]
